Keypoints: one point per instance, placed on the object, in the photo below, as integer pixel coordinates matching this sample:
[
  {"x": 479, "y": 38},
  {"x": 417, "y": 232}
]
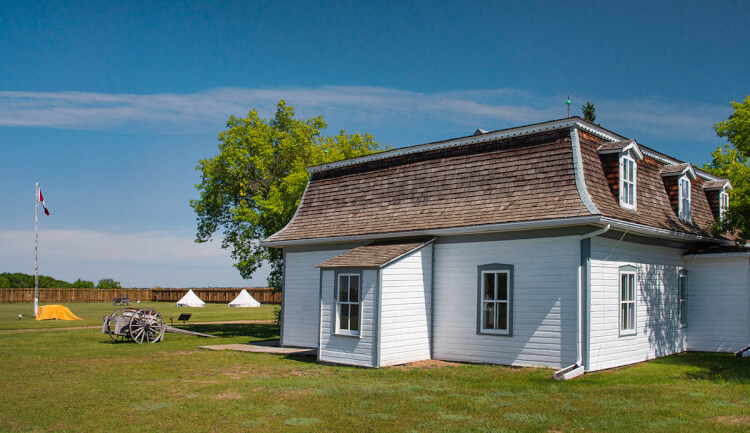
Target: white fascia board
[
  {"x": 649, "y": 231},
  {"x": 490, "y": 136},
  {"x": 716, "y": 255},
  {"x": 486, "y": 228}
]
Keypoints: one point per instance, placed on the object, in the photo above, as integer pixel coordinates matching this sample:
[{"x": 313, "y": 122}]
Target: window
[
  {"x": 627, "y": 300},
  {"x": 495, "y": 299},
  {"x": 723, "y": 204},
  {"x": 685, "y": 199},
  {"x": 627, "y": 182},
  {"x": 682, "y": 287},
  {"x": 347, "y": 304}
]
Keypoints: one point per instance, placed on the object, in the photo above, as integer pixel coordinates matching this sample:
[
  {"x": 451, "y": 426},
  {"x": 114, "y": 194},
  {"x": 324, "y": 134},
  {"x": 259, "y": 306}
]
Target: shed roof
[{"x": 374, "y": 255}]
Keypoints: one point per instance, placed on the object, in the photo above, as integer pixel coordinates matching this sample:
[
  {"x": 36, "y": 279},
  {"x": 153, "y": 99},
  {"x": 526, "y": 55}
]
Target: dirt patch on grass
[
  {"x": 734, "y": 420},
  {"x": 229, "y": 396},
  {"x": 427, "y": 364}
]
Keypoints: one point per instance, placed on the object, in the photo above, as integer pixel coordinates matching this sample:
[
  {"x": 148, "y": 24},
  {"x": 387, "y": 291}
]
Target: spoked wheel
[
  {"x": 146, "y": 325},
  {"x": 114, "y": 317}
]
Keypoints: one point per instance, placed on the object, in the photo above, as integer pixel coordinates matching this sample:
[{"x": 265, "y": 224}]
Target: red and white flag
[{"x": 41, "y": 199}]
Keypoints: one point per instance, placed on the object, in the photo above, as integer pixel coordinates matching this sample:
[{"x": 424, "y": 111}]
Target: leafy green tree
[
  {"x": 83, "y": 284},
  {"x": 732, "y": 161},
  {"x": 251, "y": 189},
  {"x": 108, "y": 283},
  {"x": 589, "y": 112},
  {"x": 4, "y": 283}
]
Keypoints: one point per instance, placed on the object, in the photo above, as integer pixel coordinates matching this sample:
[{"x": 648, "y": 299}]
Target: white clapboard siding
[
  {"x": 405, "y": 308},
  {"x": 345, "y": 349},
  {"x": 718, "y": 303},
  {"x": 301, "y": 294},
  {"x": 658, "y": 331},
  {"x": 544, "y": 302}
]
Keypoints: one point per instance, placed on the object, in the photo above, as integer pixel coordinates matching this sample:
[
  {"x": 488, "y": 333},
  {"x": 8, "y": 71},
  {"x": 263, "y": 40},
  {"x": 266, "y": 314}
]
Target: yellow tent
[{"x": 59, "y": 312}]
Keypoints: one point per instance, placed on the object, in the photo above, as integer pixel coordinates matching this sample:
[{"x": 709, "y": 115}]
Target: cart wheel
[
  {"x": 117, "y": 315},
  {"x": 146, "y": 325}
]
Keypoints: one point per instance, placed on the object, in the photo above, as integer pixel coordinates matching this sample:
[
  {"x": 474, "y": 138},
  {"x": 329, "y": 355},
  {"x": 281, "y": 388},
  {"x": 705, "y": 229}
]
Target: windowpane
[
  {"x": 631, "y": 287},
  {"x": 354, "y": 289},
  {"x": 502, "y": 287},
  {"x": 343, "y": 288},
  {"x": 354, "y": 317},
  {"x": 344, "y": 316},
  {"x": 624, "y": 287},
  {"x": 489, "y": 315},
  {"x": 631, "y": 316},
  {"x": 630, "y": 170},
  {"x": 489, "y": 285},
  {"x": 630, "y": 194},
  {"x": 502, "y": 315},
  {"x": 624, "y": 316}
]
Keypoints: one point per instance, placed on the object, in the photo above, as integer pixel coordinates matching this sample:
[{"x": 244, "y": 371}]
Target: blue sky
[{"x": 110, "y": 105}]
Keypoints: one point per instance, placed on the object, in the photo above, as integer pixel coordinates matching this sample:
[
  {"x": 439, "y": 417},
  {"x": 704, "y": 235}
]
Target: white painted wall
[
  {"x": 718, "y": 303},
  {"x": 345, "y": 349},
  {"x": 301, "y": 305},
  {"x": 658, "y": 331},
  {"x": 544, "y": 306},
  {"x": 406, "y": 304}
]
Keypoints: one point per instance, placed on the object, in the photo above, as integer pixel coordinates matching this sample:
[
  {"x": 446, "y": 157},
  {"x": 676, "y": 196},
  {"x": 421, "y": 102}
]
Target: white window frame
[
  {"x": 682, "y": 297},
  {"x": 496, "y": 269},
  {"x": 626, "y": 182},
  {"x": 723, "y": 204},
  {"x": 684, "y": 186},
  {"x": 339, "y": 304},
  {"x": 627, "y": 306}
]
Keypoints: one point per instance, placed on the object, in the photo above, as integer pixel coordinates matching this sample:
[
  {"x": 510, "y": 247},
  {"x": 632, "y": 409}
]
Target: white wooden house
[{"x": 558, "y": 244}]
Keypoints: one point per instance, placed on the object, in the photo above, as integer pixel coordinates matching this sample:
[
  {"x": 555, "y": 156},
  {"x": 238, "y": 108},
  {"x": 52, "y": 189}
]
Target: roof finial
[{"x": 568, "y": 102}]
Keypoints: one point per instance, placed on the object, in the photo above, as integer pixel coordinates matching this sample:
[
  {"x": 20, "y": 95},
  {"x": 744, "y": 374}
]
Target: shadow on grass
[
  {"x": 255, "y": 331},
  {"x": 715, "y": 367}
]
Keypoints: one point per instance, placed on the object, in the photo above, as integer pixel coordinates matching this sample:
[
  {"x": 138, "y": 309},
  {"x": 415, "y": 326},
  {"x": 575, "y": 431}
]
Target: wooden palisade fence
[{"x": 219, "y": 295}]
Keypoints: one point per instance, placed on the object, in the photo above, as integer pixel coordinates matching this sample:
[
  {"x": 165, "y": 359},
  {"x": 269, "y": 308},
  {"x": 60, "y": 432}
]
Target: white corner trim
[
  {"x": 473, "y": 139},
  {"x": 583, "y": 193}
]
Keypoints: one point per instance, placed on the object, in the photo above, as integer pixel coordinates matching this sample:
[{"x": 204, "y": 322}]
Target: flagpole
[{"x": 36, "y": 248}]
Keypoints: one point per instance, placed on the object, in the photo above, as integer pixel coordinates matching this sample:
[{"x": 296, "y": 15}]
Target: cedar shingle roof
[
  {"x": 521, "y": 178},
  {"x": 374, "y": 255},
  {"x": 614, "y": 146},
  {"x": 716, "y": 184},
  {"x": 675, "y": 169},
  {"x": 517, "y": 179}
]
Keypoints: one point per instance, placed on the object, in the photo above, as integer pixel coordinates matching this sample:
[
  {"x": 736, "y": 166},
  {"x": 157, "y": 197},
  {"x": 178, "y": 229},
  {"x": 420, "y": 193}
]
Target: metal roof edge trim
[
  {"x": 645, "y": 230},
  {"x": 509, "y": 226},
  {"x": 473, "y": 139}
]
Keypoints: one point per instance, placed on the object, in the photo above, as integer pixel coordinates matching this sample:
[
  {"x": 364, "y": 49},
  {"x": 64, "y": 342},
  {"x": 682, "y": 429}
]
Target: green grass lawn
[
  {"x": 92, "y": 314},
  {"x": 79, "y": 381}
]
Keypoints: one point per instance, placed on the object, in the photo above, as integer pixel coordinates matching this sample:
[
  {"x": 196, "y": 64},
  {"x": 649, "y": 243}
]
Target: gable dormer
[
  {"x": 677, "y": 180},
  {"x": 717, "y": 193},
  {"x": 620, "y": 163}
]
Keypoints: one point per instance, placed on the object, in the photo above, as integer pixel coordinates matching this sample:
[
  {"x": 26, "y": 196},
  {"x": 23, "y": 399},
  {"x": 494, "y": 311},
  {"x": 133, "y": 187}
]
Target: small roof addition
[
  {"x": 621, "y": 146},
  {"x": 717, "y": 184},
  {"x": 679, "y": 170},
  {"x": 375, "y": 255}
]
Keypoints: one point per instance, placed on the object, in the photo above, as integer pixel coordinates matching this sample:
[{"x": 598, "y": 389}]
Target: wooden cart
[{"x": 137, "y": 324}]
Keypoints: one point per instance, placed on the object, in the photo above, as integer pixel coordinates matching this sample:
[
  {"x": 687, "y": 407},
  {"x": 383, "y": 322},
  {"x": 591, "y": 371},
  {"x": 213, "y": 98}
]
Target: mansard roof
[{"x": 491, "y": 181}]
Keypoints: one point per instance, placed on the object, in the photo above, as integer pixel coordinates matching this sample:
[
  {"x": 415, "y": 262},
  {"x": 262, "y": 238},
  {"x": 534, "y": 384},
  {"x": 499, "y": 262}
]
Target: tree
[
  {"x": 108, "y": 283},
  {"x": 588, "y": 111},
  {"x": 83, "y": 284},
  {"x": 732, "y": 161},
  {"x": 251, "y": 189}
]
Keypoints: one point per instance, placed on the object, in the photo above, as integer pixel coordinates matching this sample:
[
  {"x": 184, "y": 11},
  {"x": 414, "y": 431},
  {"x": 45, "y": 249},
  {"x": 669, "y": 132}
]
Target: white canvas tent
[
  {"x": 190, "y": 300},
  {"x": 244, "y": 299}
]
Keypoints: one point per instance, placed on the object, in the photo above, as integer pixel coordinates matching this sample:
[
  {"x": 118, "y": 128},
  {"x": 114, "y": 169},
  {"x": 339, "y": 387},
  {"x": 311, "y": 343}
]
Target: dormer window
[
  {"x": 684, "y": 198},
  {"x": 718, "y": 197},
  {"x": 627, "y": 182},
  {"x": 619, "y": 160}
]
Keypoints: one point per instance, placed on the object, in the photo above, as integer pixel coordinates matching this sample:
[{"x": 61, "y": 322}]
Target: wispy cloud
[
  {"x": 136, "y": 259},
  {"x": 350, "y": 105}
]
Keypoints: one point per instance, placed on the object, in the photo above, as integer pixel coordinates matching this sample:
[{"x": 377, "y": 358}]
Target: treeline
[{"x": 23, "y": 281}]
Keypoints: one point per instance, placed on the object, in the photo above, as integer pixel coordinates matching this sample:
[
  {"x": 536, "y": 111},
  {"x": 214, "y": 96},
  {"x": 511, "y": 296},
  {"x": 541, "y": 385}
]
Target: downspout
[{"x": 577, "y": 369}]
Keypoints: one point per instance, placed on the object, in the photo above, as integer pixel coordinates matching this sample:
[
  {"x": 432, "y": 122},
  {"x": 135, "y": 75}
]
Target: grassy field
[
  {"x": 78, "y": 381},
  {"x": 92, "y": 314}
]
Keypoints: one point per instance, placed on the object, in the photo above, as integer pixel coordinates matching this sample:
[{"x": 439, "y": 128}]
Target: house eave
[{"x": 649, "y": 231}]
